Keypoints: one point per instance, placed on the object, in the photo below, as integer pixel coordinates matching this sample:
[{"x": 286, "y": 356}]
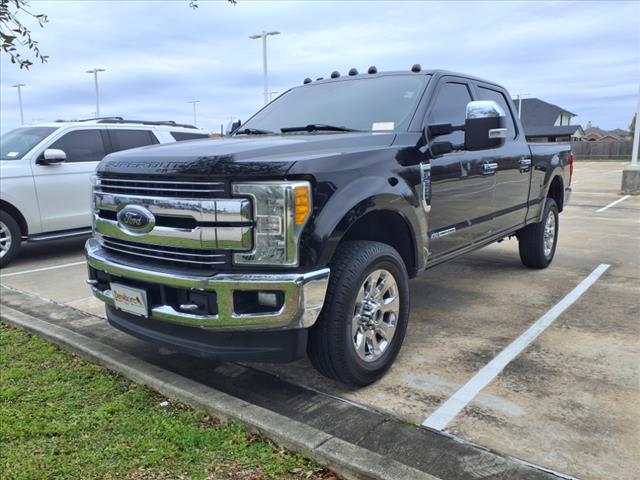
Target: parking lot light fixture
[
  {"x": 265, "y": 79},
  {"x": 95, "y": 79},
  {"x": 18, "y": 86},
  {"x": 193, "y": 102}
]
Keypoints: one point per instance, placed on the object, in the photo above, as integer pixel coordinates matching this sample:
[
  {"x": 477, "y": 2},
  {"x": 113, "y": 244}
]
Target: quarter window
[
  {"x": 450, "y": 107},
  {"x": 498, "y": 97},
  {"x": 81, "y": 146},
  {"x": 126, "y": 139}
]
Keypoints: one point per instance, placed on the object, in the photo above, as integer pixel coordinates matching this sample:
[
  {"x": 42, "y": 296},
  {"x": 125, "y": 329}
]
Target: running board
[{"x": 59, "y": 235}]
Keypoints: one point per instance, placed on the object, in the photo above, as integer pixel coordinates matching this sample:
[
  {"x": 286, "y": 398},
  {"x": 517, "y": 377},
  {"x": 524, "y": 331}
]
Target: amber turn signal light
[{"x": 302, "y": 204}]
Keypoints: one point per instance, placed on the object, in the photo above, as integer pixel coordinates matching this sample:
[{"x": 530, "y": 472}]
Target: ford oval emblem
[{"x": 136, "y": 219}]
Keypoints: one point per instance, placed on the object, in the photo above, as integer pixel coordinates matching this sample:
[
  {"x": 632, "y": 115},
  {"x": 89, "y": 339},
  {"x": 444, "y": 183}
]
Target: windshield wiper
[
  {"x": 318, "y": 127},
  {"x": 253, "y": 131}
]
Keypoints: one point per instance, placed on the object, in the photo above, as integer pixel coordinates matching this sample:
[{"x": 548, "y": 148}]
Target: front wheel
[
  {"x": 362, "y": 325},
  {"x": 538, "y": 241},
  {"x": 9, "y": 238}
]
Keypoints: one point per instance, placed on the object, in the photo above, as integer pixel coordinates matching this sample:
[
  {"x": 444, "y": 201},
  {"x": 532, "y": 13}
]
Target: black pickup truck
[{"x": 300, "y": 231}]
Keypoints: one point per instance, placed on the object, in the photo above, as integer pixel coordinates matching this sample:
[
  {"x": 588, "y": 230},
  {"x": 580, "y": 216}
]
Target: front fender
[{"x": 360, "y": 197}]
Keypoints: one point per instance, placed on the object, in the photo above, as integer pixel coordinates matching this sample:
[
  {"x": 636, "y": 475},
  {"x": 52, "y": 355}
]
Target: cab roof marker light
[
  {"x": 335, "y": 74},
  {"x": 372, "y": 70},
  {"x": 416, "y": 68},
  {"x": 353, "y": 71},
  {"x": 319, "y": 78},
  {"x": 307, "y": 80}
]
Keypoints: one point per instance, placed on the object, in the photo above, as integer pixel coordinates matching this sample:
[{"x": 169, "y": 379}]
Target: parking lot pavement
[{"x": 567, "y": 402}]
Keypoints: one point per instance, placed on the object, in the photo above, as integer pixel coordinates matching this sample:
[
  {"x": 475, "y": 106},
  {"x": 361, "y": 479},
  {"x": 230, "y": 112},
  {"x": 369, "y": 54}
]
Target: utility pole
[
  {"x": 193, "y": 102},
  {"x": 265, "y": 79},
  {"x": 95, "y": 79},
  {"x": 18, "y": 86}
]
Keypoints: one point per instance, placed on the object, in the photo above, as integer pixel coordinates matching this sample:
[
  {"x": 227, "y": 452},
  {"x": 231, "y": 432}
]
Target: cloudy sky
[{"x": 583, "y": 56}]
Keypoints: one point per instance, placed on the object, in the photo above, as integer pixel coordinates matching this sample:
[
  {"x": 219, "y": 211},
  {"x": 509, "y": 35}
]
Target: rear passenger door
[
  {"x": 514, "y": 166},
  {"x": 462, "y": 193}
]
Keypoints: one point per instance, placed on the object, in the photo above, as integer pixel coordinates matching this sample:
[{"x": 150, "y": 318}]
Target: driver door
[{"x": 63, "y": 189}]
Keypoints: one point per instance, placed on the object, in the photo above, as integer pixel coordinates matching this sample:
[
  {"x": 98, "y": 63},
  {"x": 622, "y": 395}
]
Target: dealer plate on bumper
[{"x": 130, "y": 300}]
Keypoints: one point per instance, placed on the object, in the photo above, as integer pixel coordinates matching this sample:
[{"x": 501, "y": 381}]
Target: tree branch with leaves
[{"x": 16, "y": 35}]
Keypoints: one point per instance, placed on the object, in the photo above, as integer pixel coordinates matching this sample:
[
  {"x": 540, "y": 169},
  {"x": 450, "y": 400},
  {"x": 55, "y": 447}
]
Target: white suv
[{"x": 45, "y": 173}]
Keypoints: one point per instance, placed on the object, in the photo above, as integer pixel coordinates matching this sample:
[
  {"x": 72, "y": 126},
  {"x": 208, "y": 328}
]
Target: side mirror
[
  {"x": 485, "y": 126},
  {"x": 52, "y": 155},
  {"x": 232, "y": 126}
]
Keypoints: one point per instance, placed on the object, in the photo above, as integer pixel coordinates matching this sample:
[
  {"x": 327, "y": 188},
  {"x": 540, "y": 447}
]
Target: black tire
[
  {"x": 532, "y": 239},
  {"x": 331, "y": 346},
  {"x": 9, "y": 232}
]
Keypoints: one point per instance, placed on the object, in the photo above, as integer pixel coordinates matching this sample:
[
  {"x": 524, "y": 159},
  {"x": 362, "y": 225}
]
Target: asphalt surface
[{"x": 567, "y": 401}]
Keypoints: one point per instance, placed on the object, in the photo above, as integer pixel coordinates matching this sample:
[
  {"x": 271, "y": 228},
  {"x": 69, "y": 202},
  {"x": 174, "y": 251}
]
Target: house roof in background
[
  {"x": 536, "y": 112},
  {"x": 551, "y": 131}
]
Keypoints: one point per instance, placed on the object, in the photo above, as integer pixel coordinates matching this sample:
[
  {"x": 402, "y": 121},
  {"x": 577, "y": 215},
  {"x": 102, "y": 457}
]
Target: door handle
[
  {"x": 489, "y": 168},
  {"x": 525, "y": 164}
]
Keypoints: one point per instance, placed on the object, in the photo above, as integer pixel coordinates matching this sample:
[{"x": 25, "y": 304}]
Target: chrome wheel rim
[
  {"x": 5, "y": 239},
  {"x": 549, "y": 235},
  {"x": 375, "y": 316}
]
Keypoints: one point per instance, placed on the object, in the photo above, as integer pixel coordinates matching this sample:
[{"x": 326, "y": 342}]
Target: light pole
[
  {"x": 95, "y": 79},
  {"x": 193, "y": 102},
  {"x": 519, "y": 96},
  {"x": 18, "y": 85},
  {"x": 264, "y": 36}
]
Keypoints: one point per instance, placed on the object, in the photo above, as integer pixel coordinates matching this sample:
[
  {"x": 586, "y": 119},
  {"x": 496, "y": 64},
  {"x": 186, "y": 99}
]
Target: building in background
[
  {"x": 545, "y": 122},
  {"x": 593, "y": 134}
]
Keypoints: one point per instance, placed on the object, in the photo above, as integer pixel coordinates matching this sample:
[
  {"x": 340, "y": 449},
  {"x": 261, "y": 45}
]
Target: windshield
[
  {"x": 366, "y": 104},
  {"x": 16, "y": 143}
]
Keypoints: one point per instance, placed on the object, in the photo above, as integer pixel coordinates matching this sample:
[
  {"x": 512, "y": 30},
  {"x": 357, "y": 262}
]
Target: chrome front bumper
[{"x": 304, "y": 294}]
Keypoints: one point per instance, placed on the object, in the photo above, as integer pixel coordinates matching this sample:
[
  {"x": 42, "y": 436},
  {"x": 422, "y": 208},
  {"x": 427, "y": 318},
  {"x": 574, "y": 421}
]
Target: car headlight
[{"x": 280, "y": 212}]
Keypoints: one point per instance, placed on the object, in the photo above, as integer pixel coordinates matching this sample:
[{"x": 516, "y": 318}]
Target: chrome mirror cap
[{"x": 484, "y": 109}]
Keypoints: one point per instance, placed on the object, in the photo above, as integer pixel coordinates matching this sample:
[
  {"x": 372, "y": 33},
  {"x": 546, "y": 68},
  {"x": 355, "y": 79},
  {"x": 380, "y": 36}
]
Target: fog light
[{"x": 268, "y": 299}]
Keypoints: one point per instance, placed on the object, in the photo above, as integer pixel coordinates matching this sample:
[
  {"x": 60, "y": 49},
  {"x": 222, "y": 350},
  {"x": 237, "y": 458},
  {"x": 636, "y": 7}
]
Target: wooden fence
[{"x": 585, "y": 150}]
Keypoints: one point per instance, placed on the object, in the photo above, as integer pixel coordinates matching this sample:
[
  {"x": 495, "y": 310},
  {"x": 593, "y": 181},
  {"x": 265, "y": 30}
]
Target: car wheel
[
  {"x": 538, "y": 241},
  {"x": 9, "y": 238},
  {"x": 364, "y": 319}
]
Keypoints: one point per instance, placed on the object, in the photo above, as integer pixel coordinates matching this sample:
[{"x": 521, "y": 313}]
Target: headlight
[
  {"x": 280, "y": 212},
  {"x": 95, "y": 182}
]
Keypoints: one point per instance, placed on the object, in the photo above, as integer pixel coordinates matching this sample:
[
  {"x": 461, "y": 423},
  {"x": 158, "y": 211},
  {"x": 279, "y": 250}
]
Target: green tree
[
  {"x": 16, "y": 36},
  {"x": 632, "y": 125}
]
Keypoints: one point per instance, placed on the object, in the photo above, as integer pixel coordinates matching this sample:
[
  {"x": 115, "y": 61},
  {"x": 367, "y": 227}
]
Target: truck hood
[{"x": 245, "y": 156}]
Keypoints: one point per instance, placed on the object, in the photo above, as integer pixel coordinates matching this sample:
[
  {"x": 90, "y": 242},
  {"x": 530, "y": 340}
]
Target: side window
[
  {"x": 498, "y": 97},
  {"x": 81, "y": 146},
  {"x": 180, "y": 136},
  {"x": 126, "y": 139},
  {"x": 450, "y": 107}
]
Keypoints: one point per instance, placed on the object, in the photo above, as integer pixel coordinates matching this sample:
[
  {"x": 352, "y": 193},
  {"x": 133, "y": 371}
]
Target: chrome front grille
[
  {"x": 161, "y": 188},
  {"x": 181, "y": 255},
  {"x": 192, "y": 225}
]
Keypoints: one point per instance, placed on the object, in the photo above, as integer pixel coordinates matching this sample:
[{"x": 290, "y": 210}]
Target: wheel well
[
  {"x": 386, "y": 227},
  {"x": 17, "y": 216},
  {"x": 556, "y": 191}
]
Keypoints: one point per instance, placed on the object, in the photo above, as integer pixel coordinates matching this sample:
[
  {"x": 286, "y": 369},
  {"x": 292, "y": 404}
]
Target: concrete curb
[{"x": 346, "y": 459}]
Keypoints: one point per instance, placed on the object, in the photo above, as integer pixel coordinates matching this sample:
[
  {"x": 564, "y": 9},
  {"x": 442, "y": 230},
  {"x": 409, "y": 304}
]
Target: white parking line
[
  {"x": 53, "y": 267},
  {"x": 453, "y": 406},
  {"x": 613, "y": 203}
]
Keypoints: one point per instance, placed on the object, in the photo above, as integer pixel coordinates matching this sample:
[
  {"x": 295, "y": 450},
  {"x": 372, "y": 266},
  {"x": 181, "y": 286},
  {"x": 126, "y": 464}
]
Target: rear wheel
[
  {"x": 9, "y": 238},
  {"x": 362, "y": 325},
  {"x": 538, "y": 241}
]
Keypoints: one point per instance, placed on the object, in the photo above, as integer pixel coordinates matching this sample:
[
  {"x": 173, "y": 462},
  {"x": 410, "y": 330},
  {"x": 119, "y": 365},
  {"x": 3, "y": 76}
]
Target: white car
[{"x": 45, "y": 173}]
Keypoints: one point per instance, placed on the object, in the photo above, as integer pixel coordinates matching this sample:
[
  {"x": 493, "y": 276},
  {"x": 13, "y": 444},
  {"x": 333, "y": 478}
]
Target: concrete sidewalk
[{"x": 353, "y": 441}]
